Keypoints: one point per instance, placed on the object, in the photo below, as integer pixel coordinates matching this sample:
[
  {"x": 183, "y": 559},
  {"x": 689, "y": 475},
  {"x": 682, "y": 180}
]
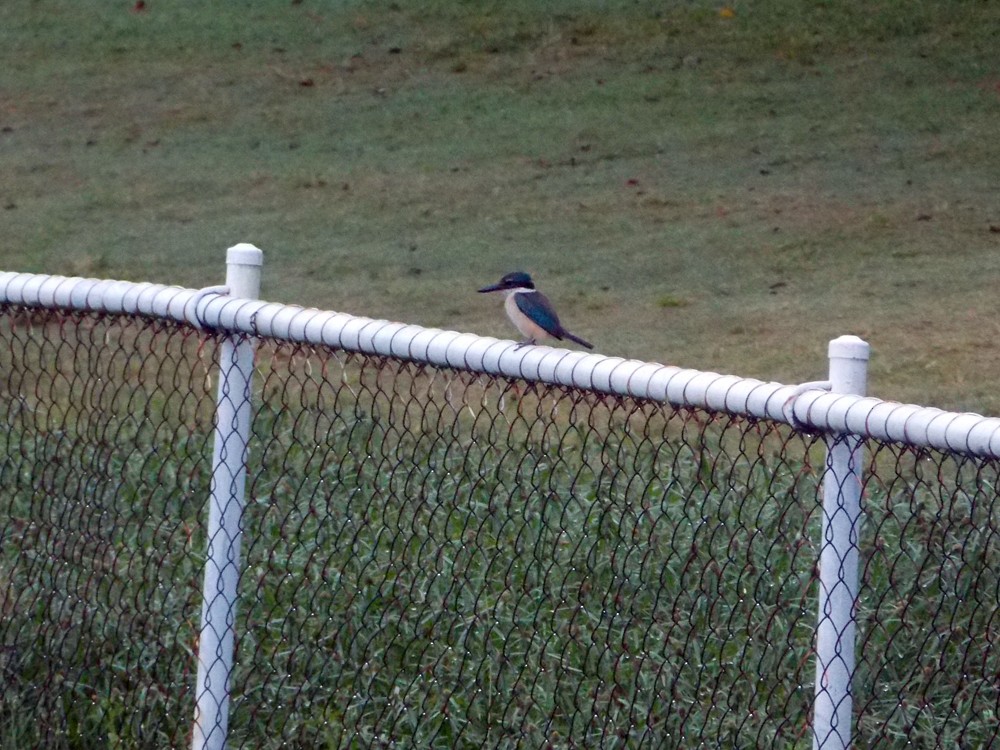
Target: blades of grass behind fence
[
  {"x": 457, "y": 559},
  {"x": 103, "y": 477},
  {"x": 452, "y": 559}
]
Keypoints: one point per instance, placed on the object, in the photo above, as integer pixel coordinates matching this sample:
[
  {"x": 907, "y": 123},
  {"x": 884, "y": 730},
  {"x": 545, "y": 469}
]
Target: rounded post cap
[
  {"x": 245, "y": 254},
  {"x": 849, "y": 347}
]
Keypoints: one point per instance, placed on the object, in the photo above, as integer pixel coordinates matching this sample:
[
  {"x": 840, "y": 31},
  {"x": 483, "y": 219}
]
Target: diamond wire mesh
[
  {"x": 928, "y": 671},
  {"x": 436, "y": 558},
  {"x": 104, "y": 460}
]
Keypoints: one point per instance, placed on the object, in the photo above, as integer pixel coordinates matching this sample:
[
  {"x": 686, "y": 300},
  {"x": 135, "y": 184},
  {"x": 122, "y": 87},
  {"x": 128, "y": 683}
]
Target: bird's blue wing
[{"x": 540, "y": 310}]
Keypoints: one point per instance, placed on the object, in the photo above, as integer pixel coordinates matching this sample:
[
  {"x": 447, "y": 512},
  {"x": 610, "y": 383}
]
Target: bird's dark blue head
[{"x": 514, "y": 280}]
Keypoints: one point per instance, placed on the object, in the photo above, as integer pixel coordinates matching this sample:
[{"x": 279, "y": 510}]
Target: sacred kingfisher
[{"x": 530, "y": 311}]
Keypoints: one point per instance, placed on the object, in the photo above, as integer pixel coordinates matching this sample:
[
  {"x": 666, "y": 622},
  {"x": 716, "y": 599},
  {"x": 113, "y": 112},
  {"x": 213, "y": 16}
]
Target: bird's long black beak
[{"x": 491, "y": 288}]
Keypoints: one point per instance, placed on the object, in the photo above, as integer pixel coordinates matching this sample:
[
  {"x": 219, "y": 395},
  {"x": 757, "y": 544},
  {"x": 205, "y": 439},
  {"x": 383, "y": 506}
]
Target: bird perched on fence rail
[{"x": 530, "y": 311}]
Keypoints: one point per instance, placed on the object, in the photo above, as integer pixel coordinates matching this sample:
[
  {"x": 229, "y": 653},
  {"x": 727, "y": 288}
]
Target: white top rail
[{"x": 813, "y": 409}]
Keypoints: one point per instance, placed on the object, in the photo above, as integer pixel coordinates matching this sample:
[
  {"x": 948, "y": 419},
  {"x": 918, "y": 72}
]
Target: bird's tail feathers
[{"x": 577, "y": 339}]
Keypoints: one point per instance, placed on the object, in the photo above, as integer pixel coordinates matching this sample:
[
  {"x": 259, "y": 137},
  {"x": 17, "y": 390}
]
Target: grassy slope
[{"x": 718, "y": 192}]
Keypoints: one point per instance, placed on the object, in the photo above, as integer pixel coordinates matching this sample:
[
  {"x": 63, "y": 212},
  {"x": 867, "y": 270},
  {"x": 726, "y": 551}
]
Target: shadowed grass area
[{"x": 788, "y": 172}]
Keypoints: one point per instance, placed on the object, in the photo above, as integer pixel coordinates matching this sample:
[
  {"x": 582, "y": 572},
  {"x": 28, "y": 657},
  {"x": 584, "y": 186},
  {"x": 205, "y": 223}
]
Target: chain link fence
[
  {"x": 435, "y": 557},
  {"x": 104, "y": 464},
  {"x": 928, "y": 669}
]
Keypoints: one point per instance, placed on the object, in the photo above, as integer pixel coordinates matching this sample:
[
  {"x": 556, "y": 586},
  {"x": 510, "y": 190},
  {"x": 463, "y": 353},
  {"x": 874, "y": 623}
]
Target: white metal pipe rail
[{"x": 814, "y": 409}]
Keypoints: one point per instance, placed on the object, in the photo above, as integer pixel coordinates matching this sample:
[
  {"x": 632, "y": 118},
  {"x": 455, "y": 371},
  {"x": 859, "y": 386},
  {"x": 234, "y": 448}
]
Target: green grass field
[{"x": 717, "y": 186}]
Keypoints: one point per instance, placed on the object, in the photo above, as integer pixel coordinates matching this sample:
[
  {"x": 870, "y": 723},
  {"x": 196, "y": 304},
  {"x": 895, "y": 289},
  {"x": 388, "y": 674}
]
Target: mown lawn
[{"x": 718, "y": 186}]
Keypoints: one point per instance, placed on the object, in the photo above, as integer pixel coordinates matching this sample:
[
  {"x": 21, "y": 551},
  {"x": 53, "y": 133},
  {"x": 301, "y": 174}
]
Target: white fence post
[
  {"x": 225, "y": 511},
  {"x": 838, "y": 560}
]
